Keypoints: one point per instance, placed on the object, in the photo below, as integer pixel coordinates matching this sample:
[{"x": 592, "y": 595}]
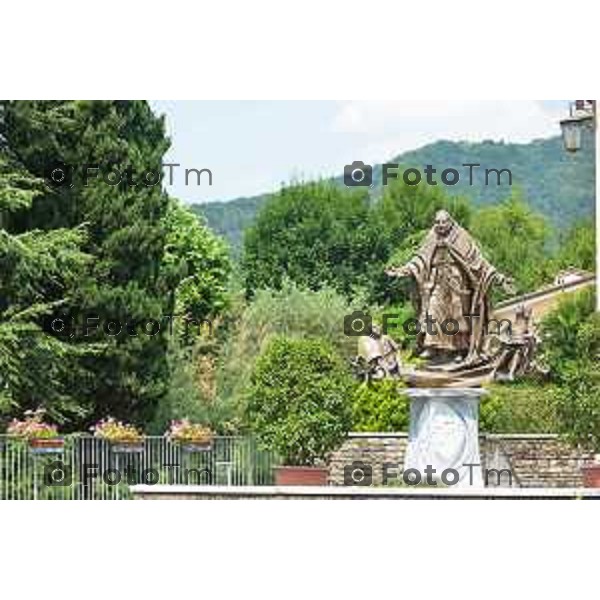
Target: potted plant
[
  {"x": 123, "y": 437},
  {"x": 42, "y": 437},
  {"x": 299, "y": 407},
  {"x": 191, "y": 437}
]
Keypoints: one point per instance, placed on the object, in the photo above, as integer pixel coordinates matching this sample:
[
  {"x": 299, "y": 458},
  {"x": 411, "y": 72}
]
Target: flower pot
[
  {"x": 301, "y": 475},
  {"x": 196, "y": 446},
  {"x": 46, "y": 445},
  {"x": 591, "y": 475},
  {"x": 127, "y": 447}
]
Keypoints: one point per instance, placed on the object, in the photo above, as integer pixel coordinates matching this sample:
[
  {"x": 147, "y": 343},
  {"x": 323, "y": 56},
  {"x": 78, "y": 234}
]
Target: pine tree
[
  {"x": 124, "y": 280},
  {"x": 37, "y": 271}
]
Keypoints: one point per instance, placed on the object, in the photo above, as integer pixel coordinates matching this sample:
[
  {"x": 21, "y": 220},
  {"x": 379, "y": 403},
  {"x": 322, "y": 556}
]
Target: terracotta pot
[
  {"x": 127, "y": 447},
  {"x": 591, "y": 476},
  {"x": 49, "y": 445},
  {"x": 301, "y": 475},
  {"x": 196, "y": 446}
]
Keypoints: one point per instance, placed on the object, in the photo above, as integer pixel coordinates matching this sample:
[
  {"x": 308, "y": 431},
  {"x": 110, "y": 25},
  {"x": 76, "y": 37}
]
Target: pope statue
[{"x": 453, "y": 282}]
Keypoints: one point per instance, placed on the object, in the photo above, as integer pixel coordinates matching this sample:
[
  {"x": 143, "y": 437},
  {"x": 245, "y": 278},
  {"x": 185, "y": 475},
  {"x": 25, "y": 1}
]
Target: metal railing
[{"x": 89, "y": 468}]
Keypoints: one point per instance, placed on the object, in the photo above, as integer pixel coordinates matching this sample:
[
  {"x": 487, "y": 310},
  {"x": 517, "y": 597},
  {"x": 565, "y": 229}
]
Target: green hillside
[{"x": 559, "y": 185}]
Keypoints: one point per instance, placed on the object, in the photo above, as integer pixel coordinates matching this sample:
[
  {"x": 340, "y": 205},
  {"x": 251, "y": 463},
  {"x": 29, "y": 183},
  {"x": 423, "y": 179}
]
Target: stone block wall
[{"x": 542, "y": 460}]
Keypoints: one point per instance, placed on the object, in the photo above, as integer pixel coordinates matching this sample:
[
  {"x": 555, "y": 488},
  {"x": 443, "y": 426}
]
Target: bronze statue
[
  {"x": 455, "y": 337},
  {"x": 516, "y": 355},
  {"x": 377, "y": 356},
  {"x": 453, "y": 282}
]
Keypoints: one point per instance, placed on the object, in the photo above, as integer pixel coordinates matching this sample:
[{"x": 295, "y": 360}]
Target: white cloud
[{"x": 386, "y": 128}]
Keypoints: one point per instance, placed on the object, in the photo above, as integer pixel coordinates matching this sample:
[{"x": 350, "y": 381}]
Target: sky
[{"x": 252, "y": 147}]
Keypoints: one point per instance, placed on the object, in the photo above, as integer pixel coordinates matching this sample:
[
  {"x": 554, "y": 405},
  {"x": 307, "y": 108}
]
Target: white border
[
  {"x": 268, "y": 49},
  {"x": 298, "y": 50}
]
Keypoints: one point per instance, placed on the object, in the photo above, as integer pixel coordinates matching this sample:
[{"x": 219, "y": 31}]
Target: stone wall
[{"x": 534, "y": 460}]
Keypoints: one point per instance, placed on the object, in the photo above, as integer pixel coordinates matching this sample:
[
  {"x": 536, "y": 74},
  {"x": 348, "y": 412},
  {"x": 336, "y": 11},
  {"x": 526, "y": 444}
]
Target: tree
[
  {"x": 571, "y": 348},
  {"x": 578, "y": 404},
  {"x": 407, "y": 210},
  {"x": 38, "y": 272},
  {"x": 199, "y": 262},
  {"x": 299, "y": 403},
  {"x": 199, "y": 265},
  {"x": 316, "y": 234},
  {"x": 571, "y": 332},
  {"x": 291, "y": 312},
  {"x": 516, "y": 241},
  {"x": 578, "y": 247},
  {"x": 126, "y": 235}
]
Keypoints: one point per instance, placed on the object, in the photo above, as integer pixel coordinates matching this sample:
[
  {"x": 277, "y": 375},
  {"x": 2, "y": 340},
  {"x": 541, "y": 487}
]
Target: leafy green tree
[
  {"x": 38, "y": 272},
  {"x": 298, "y": 402},
  {"x": 200, "y": 263},
  {"x": 578, "y": 247},
  {"x": 516, "y": 241},
  {"x": 316, "y": 234},
  {"x": 405, "y": 211}
]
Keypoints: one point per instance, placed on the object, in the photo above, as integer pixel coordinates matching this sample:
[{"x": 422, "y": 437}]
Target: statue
[
  {"x": 453, "y": 282},
  {"x": 517, "y": 351},
  {"x": 377, "y": 356}
]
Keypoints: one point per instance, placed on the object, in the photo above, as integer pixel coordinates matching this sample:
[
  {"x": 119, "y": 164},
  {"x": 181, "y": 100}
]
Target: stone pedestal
[{"x": 444, "y": 435}]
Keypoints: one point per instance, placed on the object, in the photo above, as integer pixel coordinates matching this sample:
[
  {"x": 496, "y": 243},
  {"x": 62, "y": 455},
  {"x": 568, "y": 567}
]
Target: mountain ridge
[{"x": 559, "y": 185}]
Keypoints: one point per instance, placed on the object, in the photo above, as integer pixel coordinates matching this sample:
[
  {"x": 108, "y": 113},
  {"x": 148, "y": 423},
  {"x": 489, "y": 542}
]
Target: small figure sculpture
[
  {"x": 516, "y": 355},
  {"x": 377, "y": 356}
]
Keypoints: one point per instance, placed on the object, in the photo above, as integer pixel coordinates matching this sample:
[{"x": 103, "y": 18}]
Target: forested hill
[
  {"x": 231, "y": 218},
  {"x": 557, "y": 184}
]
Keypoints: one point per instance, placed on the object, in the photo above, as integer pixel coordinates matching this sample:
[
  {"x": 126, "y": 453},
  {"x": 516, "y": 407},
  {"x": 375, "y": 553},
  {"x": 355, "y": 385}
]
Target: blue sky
[{"x": 253, "y": 147}]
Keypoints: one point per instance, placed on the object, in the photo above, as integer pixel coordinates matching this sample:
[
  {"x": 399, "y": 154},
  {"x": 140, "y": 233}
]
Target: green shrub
[
  {"x": 578, "y": 405},
  {"x": 380, "y": 406},
  {"x": 571, "y": 332},
  {"x": 291, "y": 312},
  {"x": 299, "y": 400},
  {"x": 519, "y": 408}
]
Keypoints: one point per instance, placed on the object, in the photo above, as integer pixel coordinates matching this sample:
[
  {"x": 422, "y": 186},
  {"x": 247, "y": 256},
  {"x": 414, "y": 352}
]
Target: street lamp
[{"x": 583, "y": 113}]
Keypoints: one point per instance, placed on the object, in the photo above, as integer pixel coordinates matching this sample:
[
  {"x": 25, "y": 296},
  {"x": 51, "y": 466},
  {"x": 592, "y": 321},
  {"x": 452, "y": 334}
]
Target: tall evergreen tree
[
  {"x": 124, "y": 279},
  {"x": 38, "y": 270}
]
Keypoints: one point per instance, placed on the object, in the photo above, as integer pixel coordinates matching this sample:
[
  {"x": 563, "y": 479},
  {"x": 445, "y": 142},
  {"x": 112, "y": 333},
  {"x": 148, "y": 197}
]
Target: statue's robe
[{"x": 477, "y": 272}]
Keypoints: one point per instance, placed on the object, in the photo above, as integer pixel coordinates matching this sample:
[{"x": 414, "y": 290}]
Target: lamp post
[{"x": 583, "y": 116}]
